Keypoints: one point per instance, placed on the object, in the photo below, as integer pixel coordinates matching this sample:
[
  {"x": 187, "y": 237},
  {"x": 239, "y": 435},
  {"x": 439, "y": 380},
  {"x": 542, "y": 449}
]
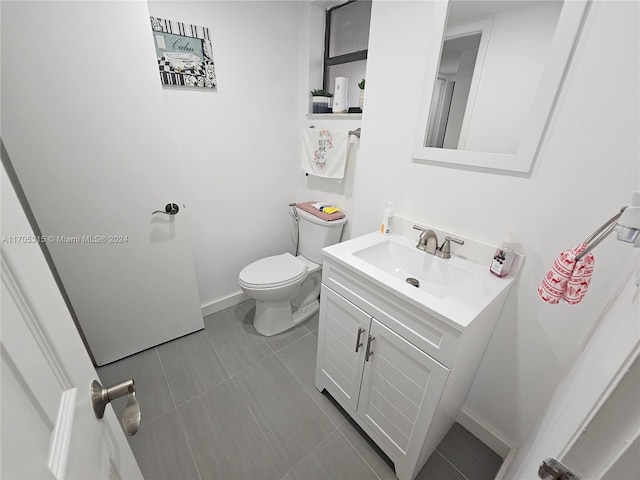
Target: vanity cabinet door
[
  {"x": 342, "y": 339},
  {"x": 401, "y": 388}
]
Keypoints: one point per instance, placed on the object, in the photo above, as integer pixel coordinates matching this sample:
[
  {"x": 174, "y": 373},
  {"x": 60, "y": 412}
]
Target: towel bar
[
  {"x": 600, "y": 234},
  {"x": 355, "y": 132}
]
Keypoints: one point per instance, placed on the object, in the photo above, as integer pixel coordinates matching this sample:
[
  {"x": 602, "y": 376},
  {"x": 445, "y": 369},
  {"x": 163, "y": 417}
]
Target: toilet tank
[{"x": 315, "y": 234}]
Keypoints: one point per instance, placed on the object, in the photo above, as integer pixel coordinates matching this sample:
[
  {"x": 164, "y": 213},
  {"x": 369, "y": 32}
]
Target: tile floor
[{"x": 228, "y": 403}]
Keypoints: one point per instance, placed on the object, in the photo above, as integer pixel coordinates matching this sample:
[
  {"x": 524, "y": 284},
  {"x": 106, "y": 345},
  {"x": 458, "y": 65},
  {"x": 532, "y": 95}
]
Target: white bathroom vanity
[{"x": 400, "y": 359}]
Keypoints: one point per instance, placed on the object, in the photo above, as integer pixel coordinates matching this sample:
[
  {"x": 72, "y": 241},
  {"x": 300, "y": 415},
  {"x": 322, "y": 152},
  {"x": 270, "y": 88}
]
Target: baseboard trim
[
  {"x": 489, "y": 437},
  {"x": 486, "y": 434},
  {"x": 224, "y": 303}
]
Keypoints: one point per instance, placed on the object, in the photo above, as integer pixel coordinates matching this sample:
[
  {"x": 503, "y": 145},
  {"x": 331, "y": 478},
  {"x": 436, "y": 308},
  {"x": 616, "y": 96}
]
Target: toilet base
[
  {"x": 272, "y": 318},
  {"x": 303, "y": 313}
]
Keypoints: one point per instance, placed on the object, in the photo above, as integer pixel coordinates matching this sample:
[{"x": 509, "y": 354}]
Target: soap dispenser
[{"x": 504, "y": 256}]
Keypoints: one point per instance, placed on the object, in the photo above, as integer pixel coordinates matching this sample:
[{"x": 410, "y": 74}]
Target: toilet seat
[{"x": 272, "y": 272}]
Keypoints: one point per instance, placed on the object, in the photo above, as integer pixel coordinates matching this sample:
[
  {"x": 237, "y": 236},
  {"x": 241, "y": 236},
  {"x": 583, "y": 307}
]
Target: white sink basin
[
  {"x": 457, "y": 290},
  {"x": 437, "y": 275}
]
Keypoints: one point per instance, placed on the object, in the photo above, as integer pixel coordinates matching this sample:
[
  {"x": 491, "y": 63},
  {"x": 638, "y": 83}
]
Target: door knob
[
  {"x": 169, "y": 209},
  {"x": 101, "y": 396}
]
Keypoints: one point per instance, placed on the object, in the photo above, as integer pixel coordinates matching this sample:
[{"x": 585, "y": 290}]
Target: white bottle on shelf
[{"x": 387, "y": 220}]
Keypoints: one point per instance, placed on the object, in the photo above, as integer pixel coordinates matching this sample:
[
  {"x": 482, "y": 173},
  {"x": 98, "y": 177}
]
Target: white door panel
[
  {"x": 89, "y": 141},
  {"x": 49, "y": 429}
]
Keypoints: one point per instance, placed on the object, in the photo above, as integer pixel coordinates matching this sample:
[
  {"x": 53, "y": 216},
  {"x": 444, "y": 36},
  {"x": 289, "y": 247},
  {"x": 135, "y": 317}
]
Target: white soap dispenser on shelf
[{"x": 504, "y": 256}]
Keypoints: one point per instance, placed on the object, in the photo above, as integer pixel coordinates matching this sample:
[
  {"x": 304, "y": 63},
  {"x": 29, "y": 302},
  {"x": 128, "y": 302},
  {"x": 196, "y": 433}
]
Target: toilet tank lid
[
  {"x": 314, "y": 219},
  {"x": 273, "y": 271}
]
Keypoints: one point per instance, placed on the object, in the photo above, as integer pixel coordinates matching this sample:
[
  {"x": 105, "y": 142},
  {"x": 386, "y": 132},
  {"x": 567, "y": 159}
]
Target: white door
[
  {"x": 84, "y": 123},
  {"x": 341, "y": 345},
  {"x": 401, "y": 388},
  {"x": 49, "y": 429},
  {"x": 609, "y": 445}
]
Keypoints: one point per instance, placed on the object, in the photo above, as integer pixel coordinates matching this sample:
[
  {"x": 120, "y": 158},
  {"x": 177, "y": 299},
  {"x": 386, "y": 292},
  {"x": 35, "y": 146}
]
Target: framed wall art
[{"x": 184, "y": 54}]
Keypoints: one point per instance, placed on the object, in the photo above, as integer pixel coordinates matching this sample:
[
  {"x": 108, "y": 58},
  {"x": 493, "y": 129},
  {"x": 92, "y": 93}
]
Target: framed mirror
[{"x": 500, "y": 65}]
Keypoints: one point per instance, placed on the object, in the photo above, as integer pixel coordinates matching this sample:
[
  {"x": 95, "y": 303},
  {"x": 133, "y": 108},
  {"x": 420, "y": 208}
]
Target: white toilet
[{"x": 286, "y": 288}]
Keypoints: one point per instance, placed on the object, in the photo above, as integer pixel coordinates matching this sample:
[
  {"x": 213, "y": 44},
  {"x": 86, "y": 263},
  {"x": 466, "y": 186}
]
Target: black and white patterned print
[{"x": 201, "y": 75}]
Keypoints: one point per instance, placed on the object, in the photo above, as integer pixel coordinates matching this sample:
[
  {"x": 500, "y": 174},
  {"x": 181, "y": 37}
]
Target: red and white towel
[{"x": 569, "y": 278}]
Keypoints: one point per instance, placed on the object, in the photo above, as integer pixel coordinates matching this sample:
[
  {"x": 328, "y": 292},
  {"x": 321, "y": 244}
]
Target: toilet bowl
[{"x": 286, "y": 287}]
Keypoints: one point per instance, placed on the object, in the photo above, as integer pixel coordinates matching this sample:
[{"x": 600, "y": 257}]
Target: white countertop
[{"x": 457, "y": 308}]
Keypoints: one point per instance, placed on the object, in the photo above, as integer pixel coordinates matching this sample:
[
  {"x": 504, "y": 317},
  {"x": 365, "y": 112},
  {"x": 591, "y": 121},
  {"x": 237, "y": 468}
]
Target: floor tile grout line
[
  {"x": 166, "y": 379},
  {"x": 252, "y": 365},
  {"x": 292, "y": 342},
  {"x": 203, "y": 392},
  {"x": 155, "y": 419},
  {"x": 291, "y": 330},
  {"x": 273, "y": 350},
  {"x": 214, "y": 347},
  {"x": 175, "y": 408},
  {"x": 288, "y": 343},
  {"x": 304, "y": 393},
  {"x": 302, "y": 386},
  {"x": 220, "y": 357},
  {"x": 450, "y": 463},
  {"x": 191, "y": 452},
  {"x": 215, "y": 352},
  {"x": 255, "y": 419},
  {"x": 358, "y": 453},
  {"x": 311, "y": 450}
]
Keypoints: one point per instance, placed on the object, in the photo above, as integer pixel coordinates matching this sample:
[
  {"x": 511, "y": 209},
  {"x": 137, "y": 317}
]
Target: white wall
[
  {"x": 340, "y": 193},
  {"x": 587, "y": 169},
  {"x": 239, "y": 144}
]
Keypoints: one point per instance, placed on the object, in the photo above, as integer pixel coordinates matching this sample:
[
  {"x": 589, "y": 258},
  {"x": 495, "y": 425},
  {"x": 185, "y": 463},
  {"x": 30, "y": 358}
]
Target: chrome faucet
[
  {"x": 429, "y": 243},
  {"x": 428, "y": 240}
]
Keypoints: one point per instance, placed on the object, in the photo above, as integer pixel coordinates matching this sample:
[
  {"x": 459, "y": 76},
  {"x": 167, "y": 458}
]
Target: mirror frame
[{"x": 561, "y": 50}]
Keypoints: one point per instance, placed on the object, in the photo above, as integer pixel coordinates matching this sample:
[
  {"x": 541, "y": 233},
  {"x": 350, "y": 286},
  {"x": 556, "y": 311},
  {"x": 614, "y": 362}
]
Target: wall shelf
[{"x": 335, "y": 116}]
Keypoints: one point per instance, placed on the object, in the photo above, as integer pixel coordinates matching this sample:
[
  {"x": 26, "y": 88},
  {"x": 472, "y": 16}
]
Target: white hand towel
[{"x": 324, "y": 152}]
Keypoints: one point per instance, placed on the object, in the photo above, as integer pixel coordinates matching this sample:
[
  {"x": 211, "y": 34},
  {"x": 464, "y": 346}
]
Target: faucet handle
[
  {"x": 454, "y": 240},
  {"x": 418, "y": 227},
  {"x": 445, "y": 249}
]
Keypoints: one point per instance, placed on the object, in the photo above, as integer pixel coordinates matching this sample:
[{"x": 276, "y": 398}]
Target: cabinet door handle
[
  {"x": 369, "y": 351},
  {"x": 358, "y": 343}
]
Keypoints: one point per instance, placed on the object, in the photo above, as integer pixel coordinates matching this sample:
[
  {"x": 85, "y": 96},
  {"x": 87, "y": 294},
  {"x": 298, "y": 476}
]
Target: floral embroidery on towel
[{"x": 325, "y": 143}]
